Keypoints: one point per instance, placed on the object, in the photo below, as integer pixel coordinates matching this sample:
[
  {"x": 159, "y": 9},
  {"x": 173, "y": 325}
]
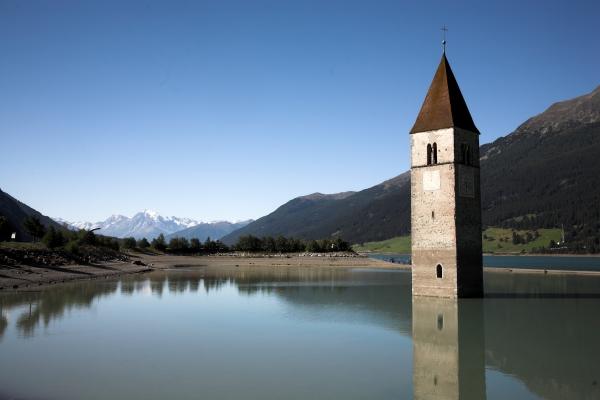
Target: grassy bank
[
  {"x": 398, "y": 244},
  {"x": 495, "y": 240},
  {"x": 499, "y": 240},
  {"x": 22, "y": 245}
]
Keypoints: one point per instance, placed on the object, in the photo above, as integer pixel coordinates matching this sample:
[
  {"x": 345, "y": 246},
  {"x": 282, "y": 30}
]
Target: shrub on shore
[
  {"x": 281, "y": 244},
  {"x": 72, "y": 247},
  {"x": 129, "y": 243},
  {"x": 54, "y": 238},
  {"x": 179, "y": 245},
  {"x": 72, "y": 241},
  {"x": 159, "y": 243},
  {"x": 34, "y": 227}
]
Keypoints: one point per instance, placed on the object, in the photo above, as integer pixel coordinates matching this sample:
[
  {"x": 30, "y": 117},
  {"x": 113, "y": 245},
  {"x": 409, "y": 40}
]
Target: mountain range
[
  {"x": 213, "y": 230},
  {"x": 150, "y": 224},
  {"x": 544, "y": 174}
]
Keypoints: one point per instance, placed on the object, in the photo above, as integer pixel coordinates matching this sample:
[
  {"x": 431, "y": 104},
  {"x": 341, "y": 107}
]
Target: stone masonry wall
[{"x": 445, "y": 216}]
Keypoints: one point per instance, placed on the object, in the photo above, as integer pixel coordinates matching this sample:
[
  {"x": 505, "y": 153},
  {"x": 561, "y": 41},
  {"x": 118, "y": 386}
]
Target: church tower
[{"x": 445, "y": 194}]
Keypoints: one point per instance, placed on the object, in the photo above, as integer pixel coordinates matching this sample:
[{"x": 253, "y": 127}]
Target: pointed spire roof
[{"x": 444, "y": 105}]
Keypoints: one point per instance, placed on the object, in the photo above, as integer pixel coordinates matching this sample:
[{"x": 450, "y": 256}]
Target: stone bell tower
[{"x": 445, "y": 194}]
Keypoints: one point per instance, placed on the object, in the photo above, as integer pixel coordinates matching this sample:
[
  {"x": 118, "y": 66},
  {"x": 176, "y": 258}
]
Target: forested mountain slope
[
  {"x": 16, "y": 212},
  {"x": 544, "y": 174}
]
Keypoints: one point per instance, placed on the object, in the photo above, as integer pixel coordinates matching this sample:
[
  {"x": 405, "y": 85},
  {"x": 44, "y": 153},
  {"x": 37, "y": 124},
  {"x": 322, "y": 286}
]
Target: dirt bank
[{"x": 27, "y": 277}]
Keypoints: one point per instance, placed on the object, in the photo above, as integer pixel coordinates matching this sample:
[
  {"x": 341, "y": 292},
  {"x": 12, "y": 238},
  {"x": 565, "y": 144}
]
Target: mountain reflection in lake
[{"x": 300, "y": 333}]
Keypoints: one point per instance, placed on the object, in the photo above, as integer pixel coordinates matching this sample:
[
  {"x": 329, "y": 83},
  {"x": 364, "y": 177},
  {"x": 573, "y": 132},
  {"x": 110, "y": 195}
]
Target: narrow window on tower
[
  {"x": 428, "y": 154},
  {"x": 434, "y": 151},
  {"x": 438, "y": 271},
  {"x": 433, "y": 215}
]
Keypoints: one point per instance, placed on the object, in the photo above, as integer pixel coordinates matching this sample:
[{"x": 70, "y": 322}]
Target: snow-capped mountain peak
[
  {"x": 113, "y": 219},
  {"x": 147, "y": 223},
  {"x": 151, "y": 214},
  {"x": 77, "y": 224}
]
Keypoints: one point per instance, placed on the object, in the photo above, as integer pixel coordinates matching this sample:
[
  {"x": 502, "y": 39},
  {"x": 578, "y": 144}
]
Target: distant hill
[
  {"x": 214, "y": 230},
  {"x": 376, "y": 213},
  {"x": 16, "y": 212},
  {"x": 544, "y": 174},
  {"x": 547, "y": 172}
]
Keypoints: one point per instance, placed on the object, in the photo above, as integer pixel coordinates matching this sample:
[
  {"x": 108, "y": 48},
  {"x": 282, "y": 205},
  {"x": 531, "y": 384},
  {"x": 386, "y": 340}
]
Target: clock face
[{"x": 431, "y": 180}]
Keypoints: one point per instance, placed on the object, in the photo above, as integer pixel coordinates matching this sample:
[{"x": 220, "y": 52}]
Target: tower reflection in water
[{"x": 448, "y": 349}]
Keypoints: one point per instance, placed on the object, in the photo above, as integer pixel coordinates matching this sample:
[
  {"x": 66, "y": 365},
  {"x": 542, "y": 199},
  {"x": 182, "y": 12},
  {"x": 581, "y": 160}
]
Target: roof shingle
[{"x": 444, "y": 105}]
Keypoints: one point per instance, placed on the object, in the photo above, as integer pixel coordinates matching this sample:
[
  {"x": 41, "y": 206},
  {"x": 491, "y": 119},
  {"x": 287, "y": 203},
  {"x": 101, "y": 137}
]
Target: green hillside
[
  {"x": 499, "y": 240},
  {"x": 398, "y": 244},
  {"x": 495, "y": 240}
]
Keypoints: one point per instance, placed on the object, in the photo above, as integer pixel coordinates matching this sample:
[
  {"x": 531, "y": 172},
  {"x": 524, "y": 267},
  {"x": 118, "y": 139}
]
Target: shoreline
[
  {"x": 507, "y": 270},
  {"x": 171, "y": 261},
  {"x": 26, "y": 278},
  {"x": 591, "y": 255}
]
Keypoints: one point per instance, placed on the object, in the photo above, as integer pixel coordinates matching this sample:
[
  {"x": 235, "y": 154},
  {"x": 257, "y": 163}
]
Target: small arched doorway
[{"x": 438, "y": 271}]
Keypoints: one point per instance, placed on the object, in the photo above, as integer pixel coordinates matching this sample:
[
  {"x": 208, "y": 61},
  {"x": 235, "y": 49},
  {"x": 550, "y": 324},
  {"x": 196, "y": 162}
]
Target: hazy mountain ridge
[
  {"x": 333, "y": 196},
  {"x": 354, "y": 216},
  {"x": 560, "y": 118},
  {"x": 112, "y": 220},
  {"x": 544, "y": 174},
  {"x": 214, "y": 230},
  {"x": 148, "y": 224},
  {"x": 565, "y": 115}
]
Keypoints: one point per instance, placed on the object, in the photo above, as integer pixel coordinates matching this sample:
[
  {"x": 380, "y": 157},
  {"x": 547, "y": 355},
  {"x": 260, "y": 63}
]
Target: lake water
[
  {"x": 300, "y": 334},
  {"x": 566, "y": 263}
]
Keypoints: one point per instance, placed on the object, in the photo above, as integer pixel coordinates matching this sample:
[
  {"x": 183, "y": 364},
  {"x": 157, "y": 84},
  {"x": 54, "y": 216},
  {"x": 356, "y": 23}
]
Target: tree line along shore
[
  {"x": 62, "y": 246},
  {"x": 55, "y": 247}
]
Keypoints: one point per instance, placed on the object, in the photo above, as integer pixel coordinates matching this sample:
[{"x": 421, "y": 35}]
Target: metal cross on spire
[{"x": 444, "y": 30}]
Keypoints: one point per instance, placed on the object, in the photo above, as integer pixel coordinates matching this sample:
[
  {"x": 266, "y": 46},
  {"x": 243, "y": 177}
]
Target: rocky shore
[
  {"x": 30, "y": 266},
  {"x": 37, "y": 257}
]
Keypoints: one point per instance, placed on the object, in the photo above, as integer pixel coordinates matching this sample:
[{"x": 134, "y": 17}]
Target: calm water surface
[
  {"x": 566, "y": 263},
  {"x": 300, "y": 334}
]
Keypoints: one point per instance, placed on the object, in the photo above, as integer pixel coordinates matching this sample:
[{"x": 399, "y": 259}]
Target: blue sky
[{"x": 227, "y": 109}]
